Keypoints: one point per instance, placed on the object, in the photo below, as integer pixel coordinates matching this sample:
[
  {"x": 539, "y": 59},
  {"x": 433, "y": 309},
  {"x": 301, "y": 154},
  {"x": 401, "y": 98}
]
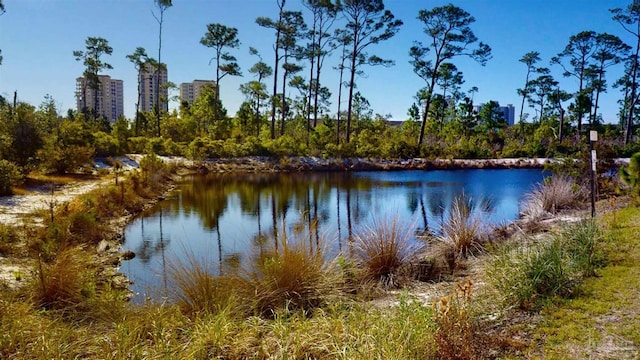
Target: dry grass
[
  {"x": 65, "y": 283},
  {"x": 556, "y": 193},
  {"x": 199, "y": 291},
  {"x": 455, "y": 335},
  {"x": 382, "y": 249},
  {"x": 461, "y": 233},
  {"x": 295, "y": 276}
]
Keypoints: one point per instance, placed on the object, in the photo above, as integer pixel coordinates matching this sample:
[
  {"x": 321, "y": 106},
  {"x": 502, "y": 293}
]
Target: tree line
[{"x": 287, "y": 108}]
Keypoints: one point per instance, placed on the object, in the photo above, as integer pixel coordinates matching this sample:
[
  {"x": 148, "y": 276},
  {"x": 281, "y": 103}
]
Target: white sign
[
  {"x": 593, "y": 135},
  {"x": 594, "y": 159}
]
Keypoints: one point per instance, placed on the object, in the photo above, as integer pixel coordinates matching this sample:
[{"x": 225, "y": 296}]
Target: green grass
[{"x": 601, "y": 322}]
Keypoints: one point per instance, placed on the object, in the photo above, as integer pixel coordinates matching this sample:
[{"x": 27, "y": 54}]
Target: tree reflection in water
[{"x": 224, "y": 215}]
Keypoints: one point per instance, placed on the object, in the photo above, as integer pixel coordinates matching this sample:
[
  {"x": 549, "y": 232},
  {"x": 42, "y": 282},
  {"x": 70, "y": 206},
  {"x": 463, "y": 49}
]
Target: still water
[{"x": 223, "y": 217}]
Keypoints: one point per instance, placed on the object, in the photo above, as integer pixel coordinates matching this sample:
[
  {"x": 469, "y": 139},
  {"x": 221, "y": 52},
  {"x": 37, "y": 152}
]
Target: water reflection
[{"x": 223, "y": 218}]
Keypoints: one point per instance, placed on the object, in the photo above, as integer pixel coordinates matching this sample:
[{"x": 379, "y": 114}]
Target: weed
[{"x": 454, "y": 333}]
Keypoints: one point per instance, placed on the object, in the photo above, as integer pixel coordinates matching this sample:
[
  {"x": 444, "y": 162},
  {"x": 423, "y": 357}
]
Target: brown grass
[
  {"x": 455, "y": 335},
  {"x": 556, "y": 193},
  {"x": 296, "y": 276},
  {"x": 382, "y": 249}
]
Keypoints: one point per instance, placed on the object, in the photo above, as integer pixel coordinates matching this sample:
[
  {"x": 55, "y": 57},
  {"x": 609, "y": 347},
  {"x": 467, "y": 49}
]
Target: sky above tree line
[{"x": 38, "y": 37}]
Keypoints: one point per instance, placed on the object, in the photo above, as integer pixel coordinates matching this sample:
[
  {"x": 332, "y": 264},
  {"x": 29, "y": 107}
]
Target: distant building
[
  {"x": 508, "y": 112},
  {"x": 109, "y": 97},
  {"x": 150, "y": 85},
  {"x": 189, "y": 92}
]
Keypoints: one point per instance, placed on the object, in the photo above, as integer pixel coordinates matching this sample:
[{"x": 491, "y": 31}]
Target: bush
[
  {"x": 630, "y": 175},
  {"x": 10, "y": 176},
  {"x": 8, "y": 238}
]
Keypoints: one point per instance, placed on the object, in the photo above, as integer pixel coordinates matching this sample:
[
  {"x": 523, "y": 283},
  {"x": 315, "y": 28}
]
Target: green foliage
[
  {"x": 105, "y": 144},
  {"x": 8, "y": 238},
  {"x": 10, "y": 176},
  {"x": 68, "y": 149},
  {"x": 630, "y": 175},
  {"x": 585, "y": 245}
]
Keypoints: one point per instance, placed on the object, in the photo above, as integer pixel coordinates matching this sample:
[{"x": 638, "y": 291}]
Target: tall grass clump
[
  {"x": 296, "y": 276},
  {"x": 8, "y": 239},
  {"x": 66, "y": 283},
  {"x": 555, "y": 193},
  {"x": 198, "y": 290},
  {"x": 585, "y": 245},
  {"x": 527, "y": 275},
  {"x": 382, "y": 249}
]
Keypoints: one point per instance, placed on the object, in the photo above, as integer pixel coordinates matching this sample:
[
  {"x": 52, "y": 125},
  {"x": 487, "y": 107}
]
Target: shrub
[
  {"x": 10, "y": 176},
  {"x": 382, "y": 249},
  {"x": 630, "y": 175}
]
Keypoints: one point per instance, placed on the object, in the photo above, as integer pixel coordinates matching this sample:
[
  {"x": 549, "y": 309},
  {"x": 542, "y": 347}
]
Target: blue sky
[{"x": 38, "y": 37}]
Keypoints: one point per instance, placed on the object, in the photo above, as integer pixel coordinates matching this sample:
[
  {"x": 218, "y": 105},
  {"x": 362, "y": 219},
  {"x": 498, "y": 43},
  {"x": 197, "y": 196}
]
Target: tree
[
  {"x": 449, "y": 78},
  {"x": 218, "y": 37},
  {"x": 256, "y": 89},
  {"x": 139, "y": 58},
  {"x": 529, "y": 59},
  {"x": 449, "y": 34},
  {"x": 277, "y": 26},
  {"x": 368, "y": 23},
  {"x": 579, "y": 53},
  {"x": 162, "y": 6},
  {"x": 96, "y": 47},
  {"x": 324, "y": 15},
  {"x": 629, "y": 19},
  {"x": 540, "y": 89},
  {"x": 293, "y": 28},
  {"x": 610, "y": 51}
]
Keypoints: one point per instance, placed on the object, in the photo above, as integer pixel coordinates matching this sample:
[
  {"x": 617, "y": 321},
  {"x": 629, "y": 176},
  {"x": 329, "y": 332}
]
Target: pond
[{"x": 222, "y": 218}]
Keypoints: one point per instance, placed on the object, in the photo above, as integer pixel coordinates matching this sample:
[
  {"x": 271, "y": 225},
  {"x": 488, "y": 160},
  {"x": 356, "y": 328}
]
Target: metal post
[{"x": 593, "y": 137}]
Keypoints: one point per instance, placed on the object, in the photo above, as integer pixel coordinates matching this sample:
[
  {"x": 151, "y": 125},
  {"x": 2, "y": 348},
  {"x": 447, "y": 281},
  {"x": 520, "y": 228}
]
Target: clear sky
[{"x": 38, "y": 37}]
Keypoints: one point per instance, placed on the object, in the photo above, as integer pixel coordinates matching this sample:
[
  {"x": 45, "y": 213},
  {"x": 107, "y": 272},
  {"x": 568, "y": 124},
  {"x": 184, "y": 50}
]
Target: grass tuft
[
  {"x": 296, "y": 276},
  {"x": 556, "y": 193},
  {"x": 382, "y": 249}
]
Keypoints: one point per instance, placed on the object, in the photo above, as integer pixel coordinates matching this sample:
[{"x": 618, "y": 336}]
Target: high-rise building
[
  {"x": 189, "y": 92},
  {"x": 107, "y": 100},
  {"x": 151, "y": 84}
]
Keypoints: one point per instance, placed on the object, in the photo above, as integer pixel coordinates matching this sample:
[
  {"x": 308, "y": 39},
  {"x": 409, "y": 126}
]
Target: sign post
[{"x": 593, "y": 137}]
